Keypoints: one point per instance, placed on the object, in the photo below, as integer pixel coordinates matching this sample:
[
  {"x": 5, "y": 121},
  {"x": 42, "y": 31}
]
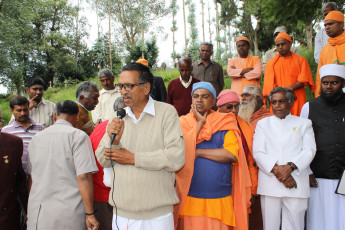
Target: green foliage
[
  {"x": 151, "y": 55},
  {"x": 193, "y": 45}
]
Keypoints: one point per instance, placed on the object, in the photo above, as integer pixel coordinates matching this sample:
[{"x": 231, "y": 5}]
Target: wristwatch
[{"x": 290, "y": 164}]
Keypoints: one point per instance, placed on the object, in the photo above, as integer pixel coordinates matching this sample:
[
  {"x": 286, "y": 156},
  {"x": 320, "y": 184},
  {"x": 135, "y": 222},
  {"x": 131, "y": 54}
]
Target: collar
[
  {"x": 103, "y": 91},
  {"x": 63, "y": 122},
  {"x": 284, "y": 119},
  {"x": 81, "y": 105},
  {"x": 16, "y": 125},
  {"x": 200, "y": 62},
  {"x": 188, "y": 83},
  {"x": 149, "y": 109}
]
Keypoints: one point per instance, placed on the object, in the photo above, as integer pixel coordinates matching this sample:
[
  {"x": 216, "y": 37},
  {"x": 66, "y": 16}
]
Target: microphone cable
[{"x": 121, "y": 113}]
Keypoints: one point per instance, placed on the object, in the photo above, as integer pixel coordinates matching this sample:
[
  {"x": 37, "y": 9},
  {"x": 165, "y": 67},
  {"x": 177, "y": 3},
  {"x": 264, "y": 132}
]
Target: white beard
[{"x": 247, "y": 110}]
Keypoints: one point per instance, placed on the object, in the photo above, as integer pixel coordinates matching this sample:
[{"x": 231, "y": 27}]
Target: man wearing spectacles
[
  {"x": 147, "y": 151},
  {"x": 229, "y": 102}
]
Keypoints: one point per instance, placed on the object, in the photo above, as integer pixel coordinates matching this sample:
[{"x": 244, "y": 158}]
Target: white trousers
[
  {"x": 164, "y": 222},
  {"x": 289, "y": 210},
  {"x": 326, "y": 209}
]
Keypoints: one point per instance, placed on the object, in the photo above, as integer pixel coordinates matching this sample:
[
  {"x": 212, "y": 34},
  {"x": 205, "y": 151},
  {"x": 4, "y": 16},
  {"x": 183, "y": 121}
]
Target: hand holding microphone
[{"x": 116, "y": 127}]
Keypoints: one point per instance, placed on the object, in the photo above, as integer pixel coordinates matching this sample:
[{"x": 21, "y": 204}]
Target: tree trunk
[
  {"x": 110, "y": 59},
  {"x": 209, "y": 23},
  {"x": 217, "y": 26},
  {"x": 309, "y": 33},
  {"x": 185, "y": 29},
  {"x": 230, "y": 42},
  {"x": 203, "y": 20},
  {"x": 174, "y": 61},
  {"x": 77, "y": 35},
  {"x": 256, "y": 45},
  {"x": 226, "y": 45}
]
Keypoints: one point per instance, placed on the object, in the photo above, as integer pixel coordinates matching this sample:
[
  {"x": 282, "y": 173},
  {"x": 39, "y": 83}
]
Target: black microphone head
[{"x": 121, "y": 113}]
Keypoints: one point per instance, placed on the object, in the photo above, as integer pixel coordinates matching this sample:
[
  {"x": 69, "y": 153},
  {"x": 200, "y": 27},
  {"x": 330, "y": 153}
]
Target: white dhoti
[
  {"x": 165, "y": 222},
  {"x": 289, "y": 210},
  {"x": 326, "y": 209}
]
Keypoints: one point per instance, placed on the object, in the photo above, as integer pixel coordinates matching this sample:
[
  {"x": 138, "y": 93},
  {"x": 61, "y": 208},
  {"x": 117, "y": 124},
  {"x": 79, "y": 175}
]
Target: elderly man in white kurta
[
  {"x": 61, "y": 163},
  {"x": 283, "y": 147}
]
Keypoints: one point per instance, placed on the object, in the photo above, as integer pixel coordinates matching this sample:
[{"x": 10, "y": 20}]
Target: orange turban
[
  {"x": 283, "y": 35},
  {"x": 242, "y": 38},
  {"x": 142, "y": 61},
  {"x": 335, "y": 16}
]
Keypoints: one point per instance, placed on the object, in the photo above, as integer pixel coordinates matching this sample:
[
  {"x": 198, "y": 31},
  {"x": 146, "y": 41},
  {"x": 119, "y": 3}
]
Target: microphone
[{"x": 121, "y": 113}]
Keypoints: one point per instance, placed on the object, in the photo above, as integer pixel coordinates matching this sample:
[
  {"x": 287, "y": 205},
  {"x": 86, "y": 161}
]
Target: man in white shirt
[
  {"x": 321, "y": 38},
  {"x": 104, "y": 109},
  {"x": 283, "y": 148}
]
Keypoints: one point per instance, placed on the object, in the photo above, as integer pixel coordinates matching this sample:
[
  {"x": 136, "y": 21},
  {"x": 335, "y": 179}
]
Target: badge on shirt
[
  {"x": 294, "y": 129},
  {"x": 5, "y": 159}
]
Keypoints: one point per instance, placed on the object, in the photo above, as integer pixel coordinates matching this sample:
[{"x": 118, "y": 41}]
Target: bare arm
[
  {"x": 218, "y": 155},
  {"x": 85, "y": 183},
  {"x": 295, "y": 86}
]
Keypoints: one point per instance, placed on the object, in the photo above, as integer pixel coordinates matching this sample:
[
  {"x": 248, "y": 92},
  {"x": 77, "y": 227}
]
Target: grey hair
[
  {"x": 85, "y": 89},
  {"x": 119, "y": 104},
  {"x": 185, "y": 59},
  {"x": 105, "y": 72},
  {"x": 253, "y": 90},
  {"x": 207, "y": 44},
  {"x": 288, "y": 93},
  {"x": 329, "y": 4}
]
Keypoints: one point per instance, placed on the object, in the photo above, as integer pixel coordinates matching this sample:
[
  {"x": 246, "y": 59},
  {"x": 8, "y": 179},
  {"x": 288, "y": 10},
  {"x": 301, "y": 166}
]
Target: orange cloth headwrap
[
  {"x": 283, "y": 35},
  {"x": 142, "y": 61},
  {"x": 335, "y": 16},
  {"x": 242, "y": 38}
]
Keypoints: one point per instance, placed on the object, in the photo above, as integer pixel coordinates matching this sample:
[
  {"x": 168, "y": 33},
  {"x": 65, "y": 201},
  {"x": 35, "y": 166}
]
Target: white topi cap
[{"x": 332, "y": 70}]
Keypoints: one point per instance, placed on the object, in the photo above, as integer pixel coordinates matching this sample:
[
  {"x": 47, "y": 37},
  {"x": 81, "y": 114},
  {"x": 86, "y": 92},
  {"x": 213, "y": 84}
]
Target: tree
[
  {"x": 173, "y": 29},
  {"x": 130, "y": 15},
  {"x": 151, "y": 54},
  {"x": 185, "y": 27},
  {"x": 194, "y": 45}
]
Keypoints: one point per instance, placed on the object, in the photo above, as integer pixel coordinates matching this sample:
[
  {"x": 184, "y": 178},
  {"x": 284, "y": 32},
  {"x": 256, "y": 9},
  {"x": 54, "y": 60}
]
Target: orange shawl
[
  {"x": 240, "y": 176},
  {"x": 248, "y": 133},
  {"x": 332, "y": 53},
  {"x": 258, "y": 115},
  {"x": 274, "y": 79}
]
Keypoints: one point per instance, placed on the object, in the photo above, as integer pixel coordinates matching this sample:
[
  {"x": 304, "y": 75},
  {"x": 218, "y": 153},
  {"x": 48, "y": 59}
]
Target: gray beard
[{"x": 247, "y": 110}]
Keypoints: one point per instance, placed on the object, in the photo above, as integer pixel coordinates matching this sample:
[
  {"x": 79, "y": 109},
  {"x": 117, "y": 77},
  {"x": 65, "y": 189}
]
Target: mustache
[{"x": 127, "y": 95}]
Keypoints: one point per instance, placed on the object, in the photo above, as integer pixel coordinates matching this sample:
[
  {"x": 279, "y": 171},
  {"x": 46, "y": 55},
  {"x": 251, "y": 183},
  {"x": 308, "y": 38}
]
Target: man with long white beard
[{"x": 252, "y": 106}]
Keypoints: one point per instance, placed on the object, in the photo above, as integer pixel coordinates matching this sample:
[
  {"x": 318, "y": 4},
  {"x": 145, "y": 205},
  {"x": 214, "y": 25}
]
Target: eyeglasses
[
  {"x": 231, "y": 107},
  {"x": 129, "y": 87}
]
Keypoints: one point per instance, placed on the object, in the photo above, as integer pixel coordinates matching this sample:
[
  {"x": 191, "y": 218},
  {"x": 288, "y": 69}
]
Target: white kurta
[
  {"x": 278, "y": 141},
  {"x": 321, "y": 39},
  {"x": 104, "y": 109}
]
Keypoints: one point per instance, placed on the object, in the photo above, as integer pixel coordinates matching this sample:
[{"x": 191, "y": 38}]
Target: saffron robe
[
  {"x": 241, "y": 184},
  {"x": 332, "y": 53},
  {"x": 258, "y": 115},
  {"x": 286, "y": 71},
  {"x": 250, "y": 78}
]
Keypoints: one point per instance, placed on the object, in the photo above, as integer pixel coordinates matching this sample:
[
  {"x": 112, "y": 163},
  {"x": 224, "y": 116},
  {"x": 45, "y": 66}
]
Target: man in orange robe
[
  {"x": 334, "y": 51},
  {"x": 245, "y": 69},
  {"x": 203, "y": 206},
  {"x": 228, "y": 102},
  {"x": 252, "y": 107},
  {"x": 289, "y": 70}
]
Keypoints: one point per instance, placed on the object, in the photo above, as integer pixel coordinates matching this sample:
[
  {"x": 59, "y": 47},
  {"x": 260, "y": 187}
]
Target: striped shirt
[
  {"x": 43, "y": 114},
  {"x": 26, "y": 135}
]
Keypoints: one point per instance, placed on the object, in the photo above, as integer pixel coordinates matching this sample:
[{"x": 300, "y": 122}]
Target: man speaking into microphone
[{"x": 147, "y": 151}]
